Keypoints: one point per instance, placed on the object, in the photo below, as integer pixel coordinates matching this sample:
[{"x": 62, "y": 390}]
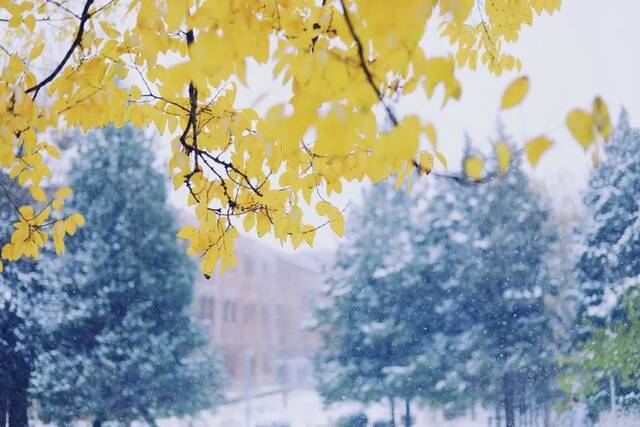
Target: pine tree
[
  {"x": 440, "y": 256},
  {"x": 126, "y": 347},
  {"x": 610, "y": 262},
  {"x": 21, "y": 295},
  {"x": 505, "y": 341},
  {"x": 360, "y": 334},
  {"x": 611, "y": 239},
  {"x": 384, "y": 328},
  {"x": 442, "y": 298}
]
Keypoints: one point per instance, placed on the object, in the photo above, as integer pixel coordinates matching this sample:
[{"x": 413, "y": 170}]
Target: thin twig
[
  {"x": 76, "y": 42},
  {"x": 365, "y": 67}
]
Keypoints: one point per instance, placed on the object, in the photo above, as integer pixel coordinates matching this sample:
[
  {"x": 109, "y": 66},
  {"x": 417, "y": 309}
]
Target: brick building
[{"x": 256, "y": 316}]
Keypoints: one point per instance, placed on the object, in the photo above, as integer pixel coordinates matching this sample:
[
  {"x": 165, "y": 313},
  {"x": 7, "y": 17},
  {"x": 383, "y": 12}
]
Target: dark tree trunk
[
  {"x": 97, "y": 423},
  {"x": 392, "y": 405},
  {"x": 509, "y": 404},
  {"x": 18, "y": 400},
  {"x": 148, "y": 417},
  {"x": 407, "y": 413},
  {"x": 18, "y": 406},
  {"x": 547, "y": 414},
  {"x": 3, "y": 402}
]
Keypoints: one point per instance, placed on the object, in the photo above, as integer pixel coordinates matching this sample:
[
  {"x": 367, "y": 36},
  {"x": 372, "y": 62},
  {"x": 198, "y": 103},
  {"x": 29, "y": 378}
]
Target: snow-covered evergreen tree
[
  {"x": 125, "y": 345},
  {"x": 441, "y": 297},
  {"x": 21, "y": 295},
  {"x": 610, "y": 261},
  {"x": 426, "y": 299},
  {"x": 371, "y": 350},
  {"x": 359, "y": 336},
  {"x": 507, "y": 343},
  {"x": 385, "y": 329},
  {"x": 611, "y": 256}
]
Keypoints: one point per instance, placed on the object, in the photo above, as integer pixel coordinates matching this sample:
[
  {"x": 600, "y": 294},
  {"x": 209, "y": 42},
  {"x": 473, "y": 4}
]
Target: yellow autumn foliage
[{"x": 174, "y": 65}]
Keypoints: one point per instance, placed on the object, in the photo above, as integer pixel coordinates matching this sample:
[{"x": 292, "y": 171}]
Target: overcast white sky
[{"x": 588, "y": 48}]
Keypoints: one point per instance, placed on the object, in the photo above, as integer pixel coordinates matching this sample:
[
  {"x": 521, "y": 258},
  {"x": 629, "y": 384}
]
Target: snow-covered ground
[{"x": 303, "y": 408}]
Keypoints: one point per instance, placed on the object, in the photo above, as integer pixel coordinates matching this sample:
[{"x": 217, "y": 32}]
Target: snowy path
[{"x": 303, "y": 408}]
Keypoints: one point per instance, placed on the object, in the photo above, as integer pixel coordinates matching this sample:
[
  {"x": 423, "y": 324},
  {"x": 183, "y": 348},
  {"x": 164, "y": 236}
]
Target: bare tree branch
[{"x": 84, "y": 17}]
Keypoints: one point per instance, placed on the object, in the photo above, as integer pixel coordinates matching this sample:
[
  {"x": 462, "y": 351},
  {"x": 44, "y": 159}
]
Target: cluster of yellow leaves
[
  {"x": 174, "y": 64},
  {"x": 23, "y": 158},
  {"x": 584, "y": 125},
  {"x": 482, "y": 29},
  {"x": 587, "y": 126},
  {"x": 30, "y": 235}
]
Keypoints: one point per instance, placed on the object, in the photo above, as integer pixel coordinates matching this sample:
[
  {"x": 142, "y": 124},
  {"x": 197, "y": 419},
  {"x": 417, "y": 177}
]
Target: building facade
[{"x": 258, "y": 315}]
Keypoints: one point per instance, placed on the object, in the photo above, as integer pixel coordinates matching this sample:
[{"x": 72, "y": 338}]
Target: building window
[
  {"x": 249, "y": 313},
  {"x": 229, "y": 311},
  {"x": 207, "y": 308},
  {"x": 226, "y": 311}
]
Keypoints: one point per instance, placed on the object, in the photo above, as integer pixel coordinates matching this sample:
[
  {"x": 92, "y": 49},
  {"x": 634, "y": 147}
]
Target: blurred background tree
[
  {"x": 609, "y": 265},
  {"x": 22, "y": 294},
  {"x": 441, "y": 297},
  {"x": 125, "y": 346}
]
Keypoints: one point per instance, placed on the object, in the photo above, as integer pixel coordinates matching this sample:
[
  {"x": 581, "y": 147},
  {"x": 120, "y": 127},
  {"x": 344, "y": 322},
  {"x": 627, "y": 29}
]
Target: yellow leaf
[
  {"x": 336, "y": 220},
  {"x": 42, "y": 216},
  {"x": 187, "y": 232},
  {"x": 63, "y": 193},
  {"x": 109, "y": 30},
  {"x": 135, "y": 93},
  {"x": 30, "y": 22},
  {"x": 7, "y": 251},
  {"x": 26, "y": 212},
  {"x": 264, "y": 225},
  {"x": 177, "y": 180},
  {"x": 16, "y": 64},
  {"x": 58, "y": 236},
  {"x": 70, "y": 227},
  {"x": 504, "y": 156},
  {"x": 52, "y": 150},
  {"x": 515, "y": 93},
  {"x": 249, "y": 221},
  {"x": 426, "y": 162},
  {"x": 296, "y": 239},
  {"x": 600, "y": 114},
  {"x": 441, "y": 70},
  {"x": 431, "y": 134},
  {"x": 473, "y": 167},
  {"x": 442, "y": 159},
  {"x": 535, "y": 148},
  {"x": 337, "y": 224},
  {"x": 175, "y": 13},
  {"x": 36, "y": 51},
  {"x": 309, "y": 234},
  {"x": 77, "y": 219},
  {"x": 580, "y": 123},
  {"x": 37, "y": 193},
  {"x": 459, "y": 9}
]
